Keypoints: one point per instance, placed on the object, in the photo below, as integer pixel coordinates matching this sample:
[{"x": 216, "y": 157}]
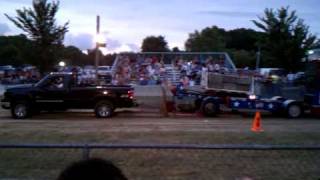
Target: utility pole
[
  {"x": 258, "y": 58},
  {"x": 97, "y": 48}
]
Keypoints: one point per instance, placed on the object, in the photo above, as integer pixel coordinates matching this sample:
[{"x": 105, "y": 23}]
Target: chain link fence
[{"x": 241, "y": 162}]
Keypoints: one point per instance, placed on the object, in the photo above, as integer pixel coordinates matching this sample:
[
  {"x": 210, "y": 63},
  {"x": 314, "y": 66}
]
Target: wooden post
[
  {"x": 163, "y": 105},
  {"x": 86, "y": 152}
]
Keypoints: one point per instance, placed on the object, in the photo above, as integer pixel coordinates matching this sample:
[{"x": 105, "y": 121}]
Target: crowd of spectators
[
  {"x": 155, "y": 69},
  {"x": 147, "y": 70},
  {"x": 144, "y": 71},
  {"x": 19, "y": 75},
  {"x": 151, "y": 70}
]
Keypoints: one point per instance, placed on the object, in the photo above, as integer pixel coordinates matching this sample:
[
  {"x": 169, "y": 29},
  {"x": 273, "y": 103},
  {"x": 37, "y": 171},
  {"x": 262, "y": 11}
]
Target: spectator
[
  {"x": 204, "y": 68},
  {"x": 211, "y": 67},
  {"x": 185, "y": 81},
  {"x": 216, "y": 67}
]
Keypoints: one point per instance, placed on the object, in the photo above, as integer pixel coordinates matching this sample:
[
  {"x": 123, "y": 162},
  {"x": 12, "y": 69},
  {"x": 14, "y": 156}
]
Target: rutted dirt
[{"x": 143, "y": 121}]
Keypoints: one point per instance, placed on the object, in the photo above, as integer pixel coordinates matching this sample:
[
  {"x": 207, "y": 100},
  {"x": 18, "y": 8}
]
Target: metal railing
[{"x": 87, "y": 147}]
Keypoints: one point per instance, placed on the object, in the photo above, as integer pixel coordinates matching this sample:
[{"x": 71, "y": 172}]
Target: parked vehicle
[
  {"x": 104, "y": 70},
  {"x": 6, "y": 71},
  {"x": 3, "y": 68},
  {"x": 314, "y": 55},
  {"x": 268, "y": 72},
  {"x": 105, "y": 74},
  {"x": 89, "y": 69},
  {"x": 62, "y": 91}
]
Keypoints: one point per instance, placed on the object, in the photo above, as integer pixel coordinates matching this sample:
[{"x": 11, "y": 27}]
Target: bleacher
[
  {"x": 152, "y": 68},
  {"x": 172, "y": 75}
]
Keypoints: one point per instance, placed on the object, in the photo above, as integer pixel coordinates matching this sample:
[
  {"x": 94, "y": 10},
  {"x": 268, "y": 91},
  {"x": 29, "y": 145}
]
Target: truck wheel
[
  {"x": 104, "y": 109},
  {"x": 20, "y": 110},
  {"x": 210, "y": 108},
  {"x": 294, "y": 111}
]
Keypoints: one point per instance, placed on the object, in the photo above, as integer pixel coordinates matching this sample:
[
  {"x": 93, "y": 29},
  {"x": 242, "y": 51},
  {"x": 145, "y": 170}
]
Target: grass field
[{"x": 72, "y": 128}]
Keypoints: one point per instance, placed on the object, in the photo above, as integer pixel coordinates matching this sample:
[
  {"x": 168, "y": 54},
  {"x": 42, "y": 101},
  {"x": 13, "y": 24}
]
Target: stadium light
[
  {"x": 252, "y": 97},
  {"x": 100, "y": 40},
  {"x": 62, "y": 64},
  {"x": 310, "y": 52}
]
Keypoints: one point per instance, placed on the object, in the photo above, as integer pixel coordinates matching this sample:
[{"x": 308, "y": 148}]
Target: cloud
[
  {"x": 4, "y": 28},
  {"x": 128, "y": 48},
  {"x": 113, "y": 44},
  {"x": 122, "y": 48},
  {"x": 16, "y": 1},
  {"x": 133, "y": 47},
  {"x": 85, "y": 41},
  {"x": 82, "y": 41},
  {"x": 234, "y": 14}
]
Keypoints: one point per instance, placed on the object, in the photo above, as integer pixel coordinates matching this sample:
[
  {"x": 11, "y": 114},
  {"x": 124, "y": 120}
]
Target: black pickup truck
[{"x": 62, "y": 91}]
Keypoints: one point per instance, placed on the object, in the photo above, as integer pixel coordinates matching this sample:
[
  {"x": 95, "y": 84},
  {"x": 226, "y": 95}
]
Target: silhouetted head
[{"x": 92, "y": 169}]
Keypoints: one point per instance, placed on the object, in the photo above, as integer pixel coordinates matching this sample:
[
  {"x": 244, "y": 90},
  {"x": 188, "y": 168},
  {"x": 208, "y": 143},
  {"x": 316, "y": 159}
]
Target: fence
[{"x": 173, "y": 161}]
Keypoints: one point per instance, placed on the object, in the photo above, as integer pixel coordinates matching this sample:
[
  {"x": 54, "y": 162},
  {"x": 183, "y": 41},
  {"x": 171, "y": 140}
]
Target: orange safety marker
[{"x": 256, "y": 125}]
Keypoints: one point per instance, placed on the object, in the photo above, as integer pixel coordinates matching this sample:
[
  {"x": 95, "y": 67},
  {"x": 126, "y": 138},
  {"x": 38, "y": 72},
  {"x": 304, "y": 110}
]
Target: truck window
[{"x": 55, "y": 83}]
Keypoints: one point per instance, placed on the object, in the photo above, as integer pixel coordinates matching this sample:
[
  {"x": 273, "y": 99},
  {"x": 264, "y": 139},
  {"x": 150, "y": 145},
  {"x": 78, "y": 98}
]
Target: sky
[{"x": 125, "y": 23}]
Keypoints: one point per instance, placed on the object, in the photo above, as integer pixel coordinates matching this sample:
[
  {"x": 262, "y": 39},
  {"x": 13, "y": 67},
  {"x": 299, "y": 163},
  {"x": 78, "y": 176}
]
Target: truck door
[
  {"x": 79, "y": 94},
  {"x": 51, "y": 96}
]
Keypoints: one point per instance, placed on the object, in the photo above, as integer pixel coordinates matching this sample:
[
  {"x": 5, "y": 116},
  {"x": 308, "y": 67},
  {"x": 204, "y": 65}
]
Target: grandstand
[{"x": 151, "y": 68}]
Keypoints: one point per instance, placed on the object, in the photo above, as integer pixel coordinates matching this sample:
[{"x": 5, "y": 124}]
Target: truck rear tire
[
  {"x": 210, "y": 108},
  {"x": 294, "y": 111},
  {"x": 20, "y": 110},
  {"x": 104, "y": 109}
]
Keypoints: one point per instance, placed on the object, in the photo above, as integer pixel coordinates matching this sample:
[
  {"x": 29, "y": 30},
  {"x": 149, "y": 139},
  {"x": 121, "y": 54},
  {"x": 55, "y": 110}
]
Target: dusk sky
[{"x": 125, "y": 23}]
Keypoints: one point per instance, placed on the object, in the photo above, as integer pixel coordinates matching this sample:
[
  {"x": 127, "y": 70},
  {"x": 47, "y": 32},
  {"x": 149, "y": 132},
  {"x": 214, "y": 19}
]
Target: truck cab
[{"x": 62, "y": 91}]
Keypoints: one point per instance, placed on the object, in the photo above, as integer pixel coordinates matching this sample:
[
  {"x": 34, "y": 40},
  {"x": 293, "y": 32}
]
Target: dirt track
[
  {"x": 149, "y": 128},
  {"x": 137, "y": 121}
]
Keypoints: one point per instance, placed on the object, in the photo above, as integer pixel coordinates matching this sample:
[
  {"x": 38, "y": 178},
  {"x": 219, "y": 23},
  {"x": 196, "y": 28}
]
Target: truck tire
[
  {"x": 294, "y": 111},
  {"x": 210, "y": 108},
  {"x": 104, "y": 109},
  {"x": 20, "y": 110}
]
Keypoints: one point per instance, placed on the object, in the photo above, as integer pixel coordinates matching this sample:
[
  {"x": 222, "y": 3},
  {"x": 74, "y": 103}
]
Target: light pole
[
  {"x": 100, "y": 42},
  {"x": 96, "y": 62}
]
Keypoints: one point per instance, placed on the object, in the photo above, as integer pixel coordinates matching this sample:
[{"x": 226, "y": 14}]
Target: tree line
[
  {"x": 283, "y": 40},
  {"x": 19, "y": 50}
]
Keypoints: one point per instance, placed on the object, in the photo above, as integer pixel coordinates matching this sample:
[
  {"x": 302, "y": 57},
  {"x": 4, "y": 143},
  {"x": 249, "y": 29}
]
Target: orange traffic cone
[{"x": 256, "y": 125}]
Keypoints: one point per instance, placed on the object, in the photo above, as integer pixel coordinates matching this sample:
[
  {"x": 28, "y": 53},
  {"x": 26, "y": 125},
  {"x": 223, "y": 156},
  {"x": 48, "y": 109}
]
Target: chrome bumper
[{"x": 5, "y": 105}]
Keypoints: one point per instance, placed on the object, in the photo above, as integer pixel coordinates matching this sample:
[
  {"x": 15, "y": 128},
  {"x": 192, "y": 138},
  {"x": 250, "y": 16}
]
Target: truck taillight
[{"x": 130, "y": 94}]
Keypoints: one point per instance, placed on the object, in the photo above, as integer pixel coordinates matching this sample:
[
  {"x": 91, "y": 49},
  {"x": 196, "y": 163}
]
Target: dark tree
[
  {"x": 39, "y": 23},
  {"x": 15, "y": 50},
  {"x": 154, "y": 44},
  {"x": 243, "y": 58},
  {"x": 175, "y": 49},
  {"x": 72, "y": 55},
  {"x": 316, "y": 45},
  {"x": 243, "y": 39},
  {"x": 287, "y": 38},
  {"x": 209, "y": 39}
]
